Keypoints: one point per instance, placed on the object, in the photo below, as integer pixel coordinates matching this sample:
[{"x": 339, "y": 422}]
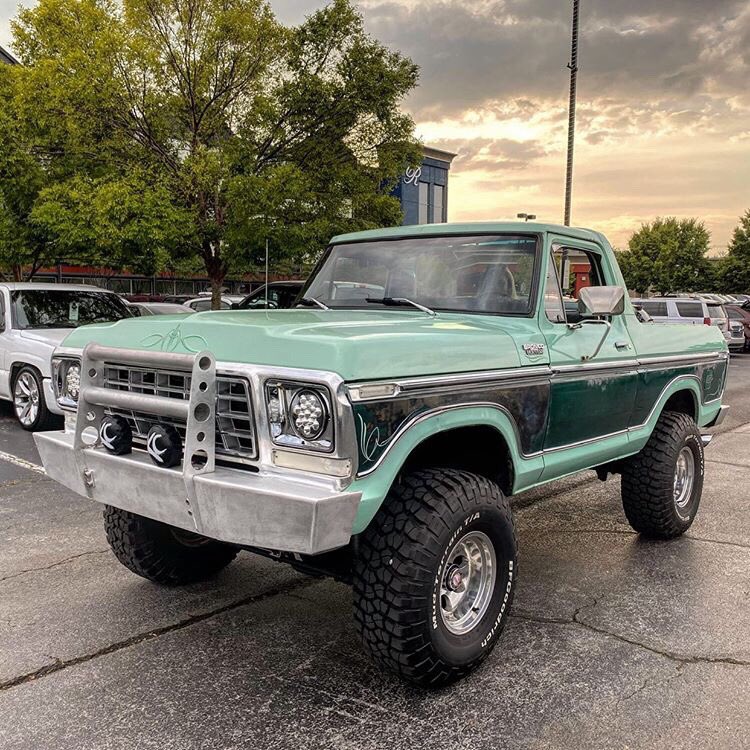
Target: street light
[
  {"x": 527, "y": 217},
  {"x": 573, "y": 67}
]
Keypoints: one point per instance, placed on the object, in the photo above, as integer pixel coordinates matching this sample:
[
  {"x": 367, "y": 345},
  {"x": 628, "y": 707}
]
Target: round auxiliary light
[
  {"x": 164, "y": 445},
  {"x": 309, "y": 415},
  {"x": 116, "y": 435},
  {"x": 73, "y": 381}
]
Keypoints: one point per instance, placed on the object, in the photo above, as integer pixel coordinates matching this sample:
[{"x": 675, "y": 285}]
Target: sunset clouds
[{"x": 664, "y": 104}]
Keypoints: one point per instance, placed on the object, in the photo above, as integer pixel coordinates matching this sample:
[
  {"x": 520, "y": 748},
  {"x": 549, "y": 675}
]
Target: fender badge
[{"x": 533, "y": 350}]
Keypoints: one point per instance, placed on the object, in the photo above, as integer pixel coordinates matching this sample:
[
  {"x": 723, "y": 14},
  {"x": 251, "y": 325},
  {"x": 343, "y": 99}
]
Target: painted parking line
[{"x": 22, "y": 462}]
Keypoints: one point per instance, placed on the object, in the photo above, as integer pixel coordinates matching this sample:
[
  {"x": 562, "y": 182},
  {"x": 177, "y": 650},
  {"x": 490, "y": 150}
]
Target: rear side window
[
  {"x": 716, "y": 311},
  {"x": 690, "y": 309},
  {"x": 655, "y": 307}
]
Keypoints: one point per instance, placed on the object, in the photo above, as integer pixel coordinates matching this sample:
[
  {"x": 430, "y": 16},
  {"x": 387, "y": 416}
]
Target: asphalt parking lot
[{"x": 614, "y": 642}]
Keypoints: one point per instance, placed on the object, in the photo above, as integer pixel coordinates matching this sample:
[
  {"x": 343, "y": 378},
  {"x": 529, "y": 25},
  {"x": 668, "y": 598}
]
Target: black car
[{"x": 281, "y": 296}]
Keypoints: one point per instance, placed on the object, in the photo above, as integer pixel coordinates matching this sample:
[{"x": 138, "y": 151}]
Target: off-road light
[
  {"x": 115, "y": 435},
  {"x": 309, "y": 414}
]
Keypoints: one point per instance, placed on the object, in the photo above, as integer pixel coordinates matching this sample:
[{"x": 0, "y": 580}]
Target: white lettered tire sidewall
[{"x": 462, "y": 649}]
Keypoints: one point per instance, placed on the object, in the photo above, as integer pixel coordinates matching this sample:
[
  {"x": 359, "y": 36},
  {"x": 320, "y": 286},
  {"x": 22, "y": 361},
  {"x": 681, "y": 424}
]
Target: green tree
[
  {"x": 668, "y": 255},
  {"x": 211, "y": 116},
  {"x": 735, "y": 266}
]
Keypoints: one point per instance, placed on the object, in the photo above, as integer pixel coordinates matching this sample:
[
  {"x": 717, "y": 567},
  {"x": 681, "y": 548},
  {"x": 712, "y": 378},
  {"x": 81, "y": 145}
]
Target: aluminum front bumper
[
  {"x": 290, "y": 511},
  {"x": 233, "y": 506}
]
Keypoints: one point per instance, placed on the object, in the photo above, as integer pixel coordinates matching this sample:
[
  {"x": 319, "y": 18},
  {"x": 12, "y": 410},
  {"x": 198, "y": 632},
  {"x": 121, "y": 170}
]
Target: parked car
[
  {"x": 34, "y": 319},
  {"x": 692, "y": 310},
  {"x": 377, "y": 437},
  {"x": 159, "y": 308},
  {"x": 741, "y": 315},
  {"x": 281, "y": 296},
  {"x": 203, "y": 303}
]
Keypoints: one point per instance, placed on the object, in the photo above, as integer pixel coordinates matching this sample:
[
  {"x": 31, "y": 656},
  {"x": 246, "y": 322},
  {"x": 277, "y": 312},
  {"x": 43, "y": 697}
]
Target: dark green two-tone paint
[{"x": 549, "y": 413}]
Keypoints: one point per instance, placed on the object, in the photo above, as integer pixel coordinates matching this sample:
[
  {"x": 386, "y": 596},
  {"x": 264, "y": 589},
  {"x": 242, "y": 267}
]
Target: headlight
[
  {"x": 66, "y": 380},
  {"x": 299, "y": 415}
]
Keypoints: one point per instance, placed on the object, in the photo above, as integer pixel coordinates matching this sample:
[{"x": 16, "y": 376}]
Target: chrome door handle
[{"x": 620, "y": 345}]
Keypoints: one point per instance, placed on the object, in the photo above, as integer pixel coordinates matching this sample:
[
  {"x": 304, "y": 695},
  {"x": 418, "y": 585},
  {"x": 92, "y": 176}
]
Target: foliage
[
  {"x": 668, "y": 255},
  {"x": 734, "y": 269},
  {"x": 209, "y": 116}
]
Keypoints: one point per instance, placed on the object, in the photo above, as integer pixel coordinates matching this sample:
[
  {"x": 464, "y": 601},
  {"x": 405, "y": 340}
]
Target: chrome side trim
[
  {"x": 416, "y": 384},
  {"x": 458, "y": 380}
]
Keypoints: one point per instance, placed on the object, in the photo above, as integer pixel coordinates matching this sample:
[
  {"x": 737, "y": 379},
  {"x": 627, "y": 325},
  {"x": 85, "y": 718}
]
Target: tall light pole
[{"x": 573, "y": 66}]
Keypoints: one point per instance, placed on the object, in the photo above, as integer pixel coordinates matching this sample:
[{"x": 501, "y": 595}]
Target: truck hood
[
  {"x": 358, "y": 345},
  {"x": 52, "y": 337}
]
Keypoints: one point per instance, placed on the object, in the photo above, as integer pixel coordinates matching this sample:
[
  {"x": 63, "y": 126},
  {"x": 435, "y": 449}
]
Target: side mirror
[
  {"x": 601, "y": 300},
  {"x": 235, "y": 306}
]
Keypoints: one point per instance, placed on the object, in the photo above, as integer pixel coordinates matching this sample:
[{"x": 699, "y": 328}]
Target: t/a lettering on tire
[{"x": 434, "y": 575}]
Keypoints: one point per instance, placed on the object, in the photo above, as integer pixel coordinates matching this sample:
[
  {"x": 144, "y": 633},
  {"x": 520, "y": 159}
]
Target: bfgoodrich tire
[
  {"x": 163, "y": 553},
  {"x": 662, "y": 485},
  {"x": 434, "y": 576}
]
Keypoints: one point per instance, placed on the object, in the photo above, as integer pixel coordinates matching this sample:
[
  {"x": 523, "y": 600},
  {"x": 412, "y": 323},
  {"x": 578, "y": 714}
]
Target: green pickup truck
[{"x": 375, "y": 432}]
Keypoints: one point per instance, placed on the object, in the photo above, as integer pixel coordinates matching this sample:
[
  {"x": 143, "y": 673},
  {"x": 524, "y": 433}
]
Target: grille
[{"x": 235, "y": 434}]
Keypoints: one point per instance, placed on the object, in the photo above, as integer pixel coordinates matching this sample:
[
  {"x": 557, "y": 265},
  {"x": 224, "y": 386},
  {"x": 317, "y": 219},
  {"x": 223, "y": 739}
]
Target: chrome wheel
[
  {"x": 468, "y": 582},
  {"x": 26, "y": 398},
  {"x": 684, "y": 477}
]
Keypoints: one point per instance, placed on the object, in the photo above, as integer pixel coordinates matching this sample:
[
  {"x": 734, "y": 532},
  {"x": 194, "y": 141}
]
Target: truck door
[{"x": 594, "y": 378}]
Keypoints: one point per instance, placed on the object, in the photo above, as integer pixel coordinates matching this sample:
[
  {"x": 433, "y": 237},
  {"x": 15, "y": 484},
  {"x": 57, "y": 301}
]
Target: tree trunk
[{"x": 216, "y": 284}]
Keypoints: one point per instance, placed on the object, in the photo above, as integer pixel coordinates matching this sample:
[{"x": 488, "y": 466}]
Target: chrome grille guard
[{"x": 199, "y": 412}]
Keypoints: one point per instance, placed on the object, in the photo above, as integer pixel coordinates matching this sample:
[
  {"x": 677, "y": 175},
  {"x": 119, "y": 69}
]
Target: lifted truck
[{"x": 375, "y": 432}]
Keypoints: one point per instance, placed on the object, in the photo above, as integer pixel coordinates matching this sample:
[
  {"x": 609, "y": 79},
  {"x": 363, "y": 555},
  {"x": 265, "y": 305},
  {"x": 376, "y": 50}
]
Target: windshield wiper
[
  {"x": 312, "y": 302},
  {"x": 400, "y": 302}
]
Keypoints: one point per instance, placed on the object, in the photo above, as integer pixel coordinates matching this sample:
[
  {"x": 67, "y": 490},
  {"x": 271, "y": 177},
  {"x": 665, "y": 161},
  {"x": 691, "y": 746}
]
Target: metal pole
[
  {"x": 573, "y": 67},
  {"x": 265, "y": 292}
]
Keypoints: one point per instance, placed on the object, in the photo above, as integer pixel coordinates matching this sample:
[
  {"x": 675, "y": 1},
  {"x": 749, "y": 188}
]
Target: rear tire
[
  {"x": 162, "y": 553},
  {"x": 662, "y": 485},
  {"x": 434, "y": 576}
]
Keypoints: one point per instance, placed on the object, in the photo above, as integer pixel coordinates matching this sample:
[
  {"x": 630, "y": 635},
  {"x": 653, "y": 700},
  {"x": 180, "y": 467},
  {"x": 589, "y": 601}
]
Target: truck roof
[{"x": 475, "y": 227}]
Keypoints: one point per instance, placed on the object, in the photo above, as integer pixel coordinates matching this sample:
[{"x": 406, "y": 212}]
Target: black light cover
[
  {"x": 164, "y": 445},
  {"x": 116, "y": 435}
]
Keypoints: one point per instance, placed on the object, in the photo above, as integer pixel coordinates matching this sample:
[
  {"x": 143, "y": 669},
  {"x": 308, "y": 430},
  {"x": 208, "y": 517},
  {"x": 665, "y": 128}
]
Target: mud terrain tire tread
[
  {"x": 647, "y": 479},
  {"x": 396, "y": 562},
  {"x": 150, "y": 549}
]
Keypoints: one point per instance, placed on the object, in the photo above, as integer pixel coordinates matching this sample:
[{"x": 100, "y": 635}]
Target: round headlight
[
  {"x": 73, "y": 381},
  {"x": 309, "y": 415}
]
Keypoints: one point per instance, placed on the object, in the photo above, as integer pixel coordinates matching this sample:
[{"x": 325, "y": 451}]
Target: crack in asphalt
[
  {"x": 626, "y": 532},
  {"x": 59, "y": 664},
  {"x": 54, "y": 564},
  {"x": 671, "y": 655}
]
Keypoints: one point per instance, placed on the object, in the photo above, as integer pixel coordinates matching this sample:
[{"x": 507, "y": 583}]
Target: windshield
[
  {"x": 489, "y": 274},
  {"x": 60, "y": 308}
]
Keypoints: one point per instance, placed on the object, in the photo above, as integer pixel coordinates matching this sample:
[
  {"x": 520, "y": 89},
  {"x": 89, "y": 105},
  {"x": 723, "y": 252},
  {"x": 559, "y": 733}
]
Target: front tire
[
  {"x": 29, "y": 405},
  {"x": 162, "y": 553},
  {"x": 434, "y": 576},
  {"x": 662, "y": 485}
]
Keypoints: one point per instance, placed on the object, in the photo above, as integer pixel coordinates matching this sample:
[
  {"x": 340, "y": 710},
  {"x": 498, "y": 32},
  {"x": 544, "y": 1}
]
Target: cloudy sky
[{"x": 664, "y": 104}]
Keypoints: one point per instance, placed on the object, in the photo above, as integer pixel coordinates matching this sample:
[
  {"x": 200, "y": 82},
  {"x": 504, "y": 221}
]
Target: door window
[{"x": 690, "y": 309}]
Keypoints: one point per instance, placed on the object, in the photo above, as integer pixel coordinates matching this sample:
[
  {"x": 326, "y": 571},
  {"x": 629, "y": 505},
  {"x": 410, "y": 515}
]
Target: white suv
[
  {"x": 34, "y": 319},
  {"x": 695, "y": 311}
]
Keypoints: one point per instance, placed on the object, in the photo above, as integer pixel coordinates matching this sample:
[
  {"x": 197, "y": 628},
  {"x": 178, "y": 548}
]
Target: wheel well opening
[
  {"x": 479, "y": 449},
  {"x": 682, "y": 402}
]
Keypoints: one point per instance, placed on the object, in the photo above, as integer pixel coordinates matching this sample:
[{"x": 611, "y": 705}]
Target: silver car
[{"x": 694, "y": 311}]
